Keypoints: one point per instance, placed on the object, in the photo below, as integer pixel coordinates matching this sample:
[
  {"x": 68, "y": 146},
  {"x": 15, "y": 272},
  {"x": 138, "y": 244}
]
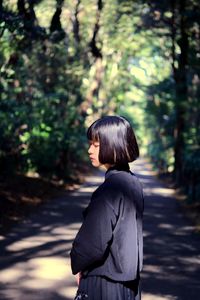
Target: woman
[{"x": 107, "y": 252}]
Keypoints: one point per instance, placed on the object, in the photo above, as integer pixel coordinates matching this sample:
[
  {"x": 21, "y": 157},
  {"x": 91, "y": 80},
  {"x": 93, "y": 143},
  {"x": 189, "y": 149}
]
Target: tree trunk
[
  {"x": 93, "y": 91},
  {"x": 181, "y": 94},
  {"x": 76, "y": 25},
  {"x": 55, "y": 22}
]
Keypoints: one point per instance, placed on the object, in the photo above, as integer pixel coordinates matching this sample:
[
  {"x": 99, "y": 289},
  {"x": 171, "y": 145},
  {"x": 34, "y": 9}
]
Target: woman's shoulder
[
  {"x": 115, "y": 184},
  {"x": 124, "y": 183},
  {"x": 121, "y": 178}
]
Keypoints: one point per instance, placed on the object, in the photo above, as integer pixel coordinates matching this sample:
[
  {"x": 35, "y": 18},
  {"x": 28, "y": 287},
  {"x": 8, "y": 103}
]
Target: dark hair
[{"x": 118, "y": 144}]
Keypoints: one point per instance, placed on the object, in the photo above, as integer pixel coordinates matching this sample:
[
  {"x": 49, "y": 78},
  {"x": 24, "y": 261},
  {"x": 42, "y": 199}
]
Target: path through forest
[{"x": 35, "y": 254}]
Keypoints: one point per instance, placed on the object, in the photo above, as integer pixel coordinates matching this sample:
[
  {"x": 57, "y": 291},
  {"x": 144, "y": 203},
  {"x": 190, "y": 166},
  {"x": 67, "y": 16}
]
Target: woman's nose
[{"x": 90, "y": 149}]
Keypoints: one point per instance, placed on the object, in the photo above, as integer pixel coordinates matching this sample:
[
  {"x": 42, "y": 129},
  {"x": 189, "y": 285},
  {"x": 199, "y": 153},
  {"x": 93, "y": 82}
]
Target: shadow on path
[
  {"x": 34, "y": 260},
  {"x": 35, "y": 255},
  {"x": 171, "y": 248}
]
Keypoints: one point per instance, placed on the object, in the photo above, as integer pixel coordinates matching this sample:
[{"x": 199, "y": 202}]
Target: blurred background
[{"x": 65, "y": 63}]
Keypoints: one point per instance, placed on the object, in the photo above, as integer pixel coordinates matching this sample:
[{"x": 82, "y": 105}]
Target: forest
[{"x": 65, "y": 63}]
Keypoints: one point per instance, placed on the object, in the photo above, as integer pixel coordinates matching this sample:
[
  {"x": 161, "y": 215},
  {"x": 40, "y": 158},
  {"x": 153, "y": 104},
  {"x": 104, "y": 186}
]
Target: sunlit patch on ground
[
  {"x": 162, "y": 191},
  {"x": 39, "y": 274},
  {"x": 153, "y": 297},
  {"x": 57, "y": 234},
  {"x": 147, "y": 171},
  {"x": 166, "y": 192},
  {"x": 96, "y": 179},
  {"x": 165, "y": 226},
  {"x": 50, "y": 268},
  {"x": 68, "y": 292}
]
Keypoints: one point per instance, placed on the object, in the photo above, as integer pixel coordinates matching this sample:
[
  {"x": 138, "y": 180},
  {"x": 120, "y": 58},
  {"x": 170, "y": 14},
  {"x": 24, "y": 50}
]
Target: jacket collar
[{"x": 117, "y": 169}]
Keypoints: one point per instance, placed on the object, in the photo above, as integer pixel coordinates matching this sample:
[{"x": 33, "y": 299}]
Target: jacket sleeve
[{"x": 94, "y": 236}]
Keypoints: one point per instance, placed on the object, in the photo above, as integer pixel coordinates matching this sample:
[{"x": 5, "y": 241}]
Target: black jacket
[{"x": 110, "y": 242}]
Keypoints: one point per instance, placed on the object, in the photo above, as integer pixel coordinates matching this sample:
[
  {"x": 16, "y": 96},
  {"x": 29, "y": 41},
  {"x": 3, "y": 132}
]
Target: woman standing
[{"x": 107, "y": 252}]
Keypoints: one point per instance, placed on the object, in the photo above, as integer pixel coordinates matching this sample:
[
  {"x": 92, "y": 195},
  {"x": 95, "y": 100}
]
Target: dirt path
[
  {"x": 35, "y": 255},
  {"x": 171, "y": 248}
]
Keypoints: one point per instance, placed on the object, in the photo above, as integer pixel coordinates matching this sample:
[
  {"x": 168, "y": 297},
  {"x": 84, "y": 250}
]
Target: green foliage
[
  {"x": 40, "y": 126},
  {"x": 160, "y": 108},
  {"x": 62, "y": 67},
  {"x": 192, "y": 173}
]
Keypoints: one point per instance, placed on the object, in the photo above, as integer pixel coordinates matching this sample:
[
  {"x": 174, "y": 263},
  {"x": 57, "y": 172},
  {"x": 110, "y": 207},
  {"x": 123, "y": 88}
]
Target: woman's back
[{"x": 108, "y": 249}]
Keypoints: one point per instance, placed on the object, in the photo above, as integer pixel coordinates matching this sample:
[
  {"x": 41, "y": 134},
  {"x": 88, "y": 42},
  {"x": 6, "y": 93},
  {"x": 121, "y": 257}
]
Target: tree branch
[{"x": 94, "y": 49}]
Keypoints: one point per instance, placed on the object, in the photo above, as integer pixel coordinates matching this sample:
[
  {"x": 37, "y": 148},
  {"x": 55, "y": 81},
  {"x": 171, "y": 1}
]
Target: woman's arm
[{"x": 94, "y": 236}]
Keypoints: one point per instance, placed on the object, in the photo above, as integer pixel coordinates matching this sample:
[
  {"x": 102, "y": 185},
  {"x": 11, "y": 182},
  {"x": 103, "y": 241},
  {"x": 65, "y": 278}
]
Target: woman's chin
[{"x": 95, "y": 163}]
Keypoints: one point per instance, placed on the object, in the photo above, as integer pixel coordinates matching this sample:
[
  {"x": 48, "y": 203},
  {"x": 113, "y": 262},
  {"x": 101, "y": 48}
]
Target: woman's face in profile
[{"x": 93, "y": 152}]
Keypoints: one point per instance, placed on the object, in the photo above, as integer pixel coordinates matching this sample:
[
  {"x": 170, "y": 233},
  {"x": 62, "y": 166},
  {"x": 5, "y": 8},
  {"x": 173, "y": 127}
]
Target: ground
[
  {"x": 21, "y": 195},
  {"x": 35, "y": 253}
]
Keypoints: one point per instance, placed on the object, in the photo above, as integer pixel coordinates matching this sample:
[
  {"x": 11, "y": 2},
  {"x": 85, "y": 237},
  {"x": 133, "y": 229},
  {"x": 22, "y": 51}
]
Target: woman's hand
[{"x": 78, "y": 277}]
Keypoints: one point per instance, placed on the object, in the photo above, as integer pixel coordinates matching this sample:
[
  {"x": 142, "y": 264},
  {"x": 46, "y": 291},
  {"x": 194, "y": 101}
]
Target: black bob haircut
[{"x": 118, "y": 144}]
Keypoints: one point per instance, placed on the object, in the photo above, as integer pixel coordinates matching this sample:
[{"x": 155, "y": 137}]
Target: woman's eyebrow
[{"x": 94, "y": 143}]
